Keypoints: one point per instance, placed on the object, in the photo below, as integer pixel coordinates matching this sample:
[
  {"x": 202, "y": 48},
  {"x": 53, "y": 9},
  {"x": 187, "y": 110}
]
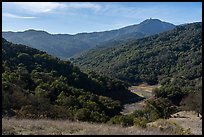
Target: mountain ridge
[
  {"x": 150, "y": 59},
  {"x": 38, "y": 30},
  {"x": 66, "y": 45}
]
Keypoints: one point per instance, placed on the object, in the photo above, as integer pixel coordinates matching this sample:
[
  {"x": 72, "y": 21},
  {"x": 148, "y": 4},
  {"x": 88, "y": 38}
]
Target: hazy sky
[{"x": 77, "y": 17}]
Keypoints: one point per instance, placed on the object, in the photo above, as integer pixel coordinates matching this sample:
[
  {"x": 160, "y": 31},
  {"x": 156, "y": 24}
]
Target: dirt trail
[
  {"x": 144, "y": 91},
  {"x": 188, "y": 120}
]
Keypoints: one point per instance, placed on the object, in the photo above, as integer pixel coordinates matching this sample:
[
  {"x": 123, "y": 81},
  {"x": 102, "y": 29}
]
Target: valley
[{"x": 137, "y": 80}]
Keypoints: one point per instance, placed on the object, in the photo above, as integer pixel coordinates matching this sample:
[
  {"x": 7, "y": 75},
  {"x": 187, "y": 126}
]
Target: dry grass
[
  {"x": 65, "y": 127},
  {"x": 143, "y": 90},
  {"x": 166, "y": 125},
  {"x": 189, "y": 121},
  {"x": 144, "y": 87},
  {"x": 185, "y": 123},
  {"x": 130, "y": 108}
]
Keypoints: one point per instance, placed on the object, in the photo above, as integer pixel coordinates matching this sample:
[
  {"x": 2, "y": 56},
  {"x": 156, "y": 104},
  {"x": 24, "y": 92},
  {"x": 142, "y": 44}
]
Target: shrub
[
  {"x": 82, "y": 114},
  {"x": 160, "y": 108},
  {"x": 124, "y": 121},
  {"x": 140, "y": 121}
]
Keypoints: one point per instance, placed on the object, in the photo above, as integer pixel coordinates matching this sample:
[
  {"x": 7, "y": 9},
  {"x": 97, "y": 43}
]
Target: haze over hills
[{"x": 65, "y": 45}]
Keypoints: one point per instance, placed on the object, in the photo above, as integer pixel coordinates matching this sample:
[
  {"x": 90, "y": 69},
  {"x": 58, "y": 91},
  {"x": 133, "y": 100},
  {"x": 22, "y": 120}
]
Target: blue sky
[{"x": 77, "y": 17}]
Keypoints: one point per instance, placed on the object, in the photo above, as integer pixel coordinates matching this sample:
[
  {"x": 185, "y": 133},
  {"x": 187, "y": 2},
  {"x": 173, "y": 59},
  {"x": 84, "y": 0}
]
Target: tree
[{"x": 162, "y": 106}]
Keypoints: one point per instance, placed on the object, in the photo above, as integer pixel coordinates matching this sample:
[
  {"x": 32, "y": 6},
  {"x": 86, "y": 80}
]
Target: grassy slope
[
  {"x": 57, "y": 127},
  {"x": 172, "y": 126}
]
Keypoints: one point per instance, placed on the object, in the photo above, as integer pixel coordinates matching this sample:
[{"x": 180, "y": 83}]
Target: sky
[{"x": 79, "y": 17}]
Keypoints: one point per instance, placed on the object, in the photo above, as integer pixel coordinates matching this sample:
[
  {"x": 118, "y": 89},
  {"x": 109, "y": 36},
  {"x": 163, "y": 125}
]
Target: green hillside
[
  {"x": 35, "y": 84},
  {"x": 172, "y": 59}
]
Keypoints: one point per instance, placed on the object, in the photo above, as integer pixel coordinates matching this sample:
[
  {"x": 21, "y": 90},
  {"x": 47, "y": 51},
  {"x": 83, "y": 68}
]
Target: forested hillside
[
  {"x": 35, "y": 84},
  {"x": 65, "y": 45},
  {"x": 38, "y": 85},
  {"x": 172, "y": 59}
]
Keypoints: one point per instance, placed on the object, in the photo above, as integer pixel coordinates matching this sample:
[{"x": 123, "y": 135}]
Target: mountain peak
[
  {"x": 151, "y": 21},
  {"x": 153, "y": 26},
  {"x": 32, "y": 31},
  {"x": 64, "y": 46}
]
